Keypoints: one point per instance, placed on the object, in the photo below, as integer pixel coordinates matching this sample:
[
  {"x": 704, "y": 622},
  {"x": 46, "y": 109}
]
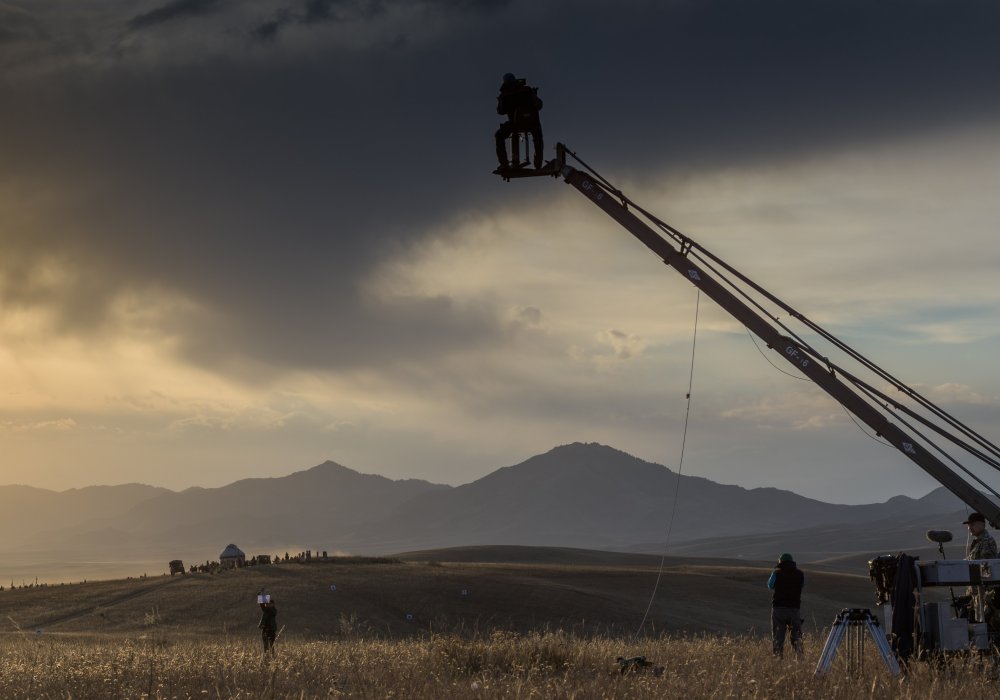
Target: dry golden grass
[
  {"x": 502, "y": 665},
  {"x": 541, "y": 630}
]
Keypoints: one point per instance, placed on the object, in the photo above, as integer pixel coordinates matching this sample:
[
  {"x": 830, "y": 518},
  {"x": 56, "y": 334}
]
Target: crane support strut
[{"x": 615, "y": 205}]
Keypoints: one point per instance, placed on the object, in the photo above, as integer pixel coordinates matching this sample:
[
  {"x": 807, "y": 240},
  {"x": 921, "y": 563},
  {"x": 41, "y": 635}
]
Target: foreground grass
[{"x": 504, "y": 665}]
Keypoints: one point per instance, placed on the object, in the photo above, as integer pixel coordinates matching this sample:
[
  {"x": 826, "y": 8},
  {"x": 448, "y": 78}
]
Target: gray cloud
[
  {"x": 322, "y": 11},
  {"x": 17, "y": 24},
  {"x": 326, "y": 10},
  {"x": 268, "y": 182},
  {"x": 268, "y": 30},
  {"x": 173, "y": 10}
]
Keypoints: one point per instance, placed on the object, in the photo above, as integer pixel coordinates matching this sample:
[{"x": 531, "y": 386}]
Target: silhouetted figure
[
  {"x": 786, "y": 583},
  {"x": 268, "y": 625},
  {"x": 520, "y": 103}
]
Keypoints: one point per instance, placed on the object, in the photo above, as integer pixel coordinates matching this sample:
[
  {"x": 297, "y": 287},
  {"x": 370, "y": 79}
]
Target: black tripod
[{"x": 853, "y": 622}]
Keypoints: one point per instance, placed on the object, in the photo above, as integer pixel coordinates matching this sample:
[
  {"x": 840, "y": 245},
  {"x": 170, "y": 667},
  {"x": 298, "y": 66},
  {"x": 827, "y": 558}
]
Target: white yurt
[{"x": 232, "y": 556}]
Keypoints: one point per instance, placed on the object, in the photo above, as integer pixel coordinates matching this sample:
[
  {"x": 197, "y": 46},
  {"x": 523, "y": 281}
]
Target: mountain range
[{"x": 578, "y": 495}]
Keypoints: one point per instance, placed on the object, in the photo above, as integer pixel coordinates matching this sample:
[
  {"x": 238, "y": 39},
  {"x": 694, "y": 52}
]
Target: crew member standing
[
  {"x": 268, "y": 624},
  {"x": 786, "y": 602},
  {"x": 519, "y": 102},
  {"x": 982, "y": 545}
]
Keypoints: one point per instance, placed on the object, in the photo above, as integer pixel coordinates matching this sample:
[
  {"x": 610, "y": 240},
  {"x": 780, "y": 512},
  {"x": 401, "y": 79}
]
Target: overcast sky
[{"x": 241, "y": 237}]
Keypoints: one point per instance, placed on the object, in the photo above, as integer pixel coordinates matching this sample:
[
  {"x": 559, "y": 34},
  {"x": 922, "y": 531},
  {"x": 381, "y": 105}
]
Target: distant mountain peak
[
  {"x": 577, "y": 457},
  {"x": 331, "y": 466},
  {"x": 586, "y": 448},
  {"x": 580, "y": 494},
  {"x": 583, "y": 451}
]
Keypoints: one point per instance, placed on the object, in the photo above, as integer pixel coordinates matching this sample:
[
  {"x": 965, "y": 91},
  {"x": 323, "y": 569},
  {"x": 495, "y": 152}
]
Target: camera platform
[{"x": 550, "y": 169}]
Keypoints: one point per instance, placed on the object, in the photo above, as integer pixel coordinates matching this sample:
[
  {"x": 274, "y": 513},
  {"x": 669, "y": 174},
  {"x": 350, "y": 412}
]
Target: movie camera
[{"x": 954, "y": 624}]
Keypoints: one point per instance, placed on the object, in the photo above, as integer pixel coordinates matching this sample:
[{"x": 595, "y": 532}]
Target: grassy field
[
  {"x": 406, "y": 599},
  {"x": 501, "y": 665},
  {"x": 548, "y": 625}
]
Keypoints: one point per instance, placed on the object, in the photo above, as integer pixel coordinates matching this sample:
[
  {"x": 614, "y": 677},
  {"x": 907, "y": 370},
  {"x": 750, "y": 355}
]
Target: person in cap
[
  {"x": 519, "y": 102},
  {"x": 268, "y": 624},
  {"x": 786, "y": 583},
  {"x": 981, "y": 545}
]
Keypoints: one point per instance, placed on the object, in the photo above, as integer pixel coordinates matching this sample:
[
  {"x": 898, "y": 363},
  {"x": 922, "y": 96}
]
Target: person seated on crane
[{"x": 520, "y": 103}]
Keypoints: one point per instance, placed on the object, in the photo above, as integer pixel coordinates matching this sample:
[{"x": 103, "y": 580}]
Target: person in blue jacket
[{"x": 786, "y": 583}]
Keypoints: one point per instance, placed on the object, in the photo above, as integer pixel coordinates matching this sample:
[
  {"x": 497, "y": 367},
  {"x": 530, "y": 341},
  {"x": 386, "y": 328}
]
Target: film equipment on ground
[
  {"x": 959, "y": 604},
  {"x": 852, "y": 623},
  {"x": 957, "y": 624},
  {"x": 882, "y": 570},
  {"x": 635, "y": 664}
]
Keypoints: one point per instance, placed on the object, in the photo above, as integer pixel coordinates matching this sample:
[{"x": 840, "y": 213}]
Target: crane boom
[{"x": 791, "y": 350}]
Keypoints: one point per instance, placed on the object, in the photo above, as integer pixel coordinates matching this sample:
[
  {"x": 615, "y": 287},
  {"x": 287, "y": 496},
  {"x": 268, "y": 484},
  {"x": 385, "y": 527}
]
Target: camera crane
[
  {"x": 922, "y": 431},
  {"x": 744, "y": 299}
]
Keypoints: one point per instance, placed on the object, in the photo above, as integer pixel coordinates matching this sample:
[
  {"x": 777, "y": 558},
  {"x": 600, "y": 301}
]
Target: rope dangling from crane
[{"x": 680, "y": 469}]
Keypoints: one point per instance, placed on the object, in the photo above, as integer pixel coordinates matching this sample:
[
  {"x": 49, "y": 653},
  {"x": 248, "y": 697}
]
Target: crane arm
[{"x": 791, "y": 350}]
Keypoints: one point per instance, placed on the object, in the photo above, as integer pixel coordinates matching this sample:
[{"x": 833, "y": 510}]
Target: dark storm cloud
[
  {"x": 718, "y": 83},
  {"x": 176, "y": 9},
  {"x": 317, "y": 11},
  {"x": 268, "y": 30},
  {"x": 339, "y": 10},
  {"x": 18, "y": 24},
  {"x": 322, "y": 11},
  {"x": 268, "y": 183}
]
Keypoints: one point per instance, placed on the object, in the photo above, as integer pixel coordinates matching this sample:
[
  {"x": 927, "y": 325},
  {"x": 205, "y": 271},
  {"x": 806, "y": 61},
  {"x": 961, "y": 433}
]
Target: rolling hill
[{"x": 466, "y": 591}]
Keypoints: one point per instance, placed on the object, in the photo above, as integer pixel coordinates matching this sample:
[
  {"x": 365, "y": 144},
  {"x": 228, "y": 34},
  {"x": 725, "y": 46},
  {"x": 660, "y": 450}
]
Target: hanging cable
[
  {"x": 804, "y": 379},
  {"x": 888, "y": 401},
  {"x": 937, "y": 448},
  {"x": 872, "y": 406},
  {"x": 789, "y": 374},
  {"x": 680, "y": 469},
  {"x": 841, "y": 345},
  {"x": 988, "y": 452},
  {"x": 688, "y": 243},
  {"x": 860, "y": 427}
]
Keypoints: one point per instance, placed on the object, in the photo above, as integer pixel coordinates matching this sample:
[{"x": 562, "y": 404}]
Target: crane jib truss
[{"x": 679, "y": 252}]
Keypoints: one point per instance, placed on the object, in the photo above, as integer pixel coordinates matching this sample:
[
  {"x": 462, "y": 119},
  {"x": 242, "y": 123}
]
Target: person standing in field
[
  {"x": 786, "y": 602},
  {"x": 268, "y": 624}
]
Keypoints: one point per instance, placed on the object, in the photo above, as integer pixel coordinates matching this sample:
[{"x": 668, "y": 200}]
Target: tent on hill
[{"x": 232, "y": 557}]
